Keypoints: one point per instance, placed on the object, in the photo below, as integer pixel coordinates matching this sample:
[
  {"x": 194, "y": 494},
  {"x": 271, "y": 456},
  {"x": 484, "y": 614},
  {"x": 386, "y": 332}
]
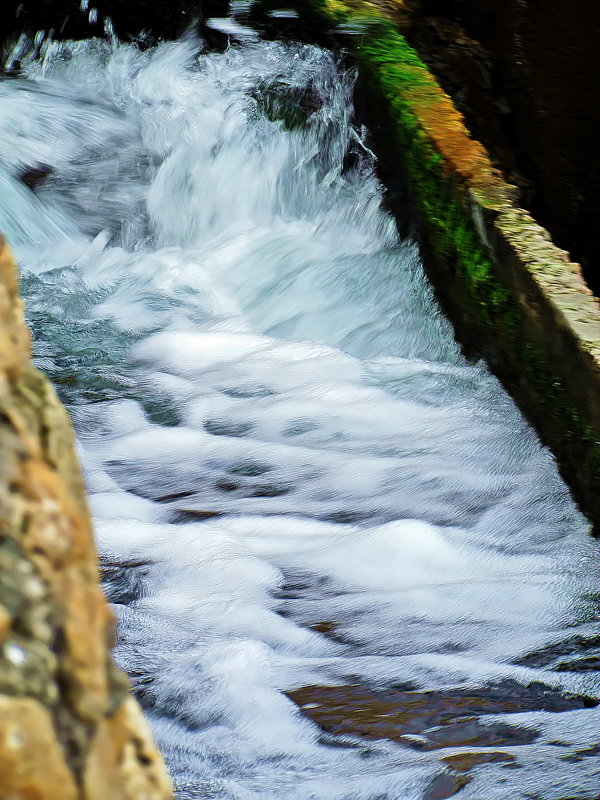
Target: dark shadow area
[{"x": 526, "y": 77}]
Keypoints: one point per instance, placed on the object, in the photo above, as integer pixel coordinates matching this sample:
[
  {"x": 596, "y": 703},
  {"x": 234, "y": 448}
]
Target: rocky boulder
[{"x": 69, "y": 728}]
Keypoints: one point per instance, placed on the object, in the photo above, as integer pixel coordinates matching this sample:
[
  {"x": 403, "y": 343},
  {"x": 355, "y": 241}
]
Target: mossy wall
[{"x": 513, "y": 296}]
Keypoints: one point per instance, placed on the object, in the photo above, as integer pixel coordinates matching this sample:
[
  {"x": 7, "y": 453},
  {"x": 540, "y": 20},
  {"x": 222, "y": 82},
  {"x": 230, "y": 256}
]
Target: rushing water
[{"x": 297, "y": 479}]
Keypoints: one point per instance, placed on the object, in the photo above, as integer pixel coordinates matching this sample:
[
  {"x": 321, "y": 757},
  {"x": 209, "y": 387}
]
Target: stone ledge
[{"x": 513, "y": 296}]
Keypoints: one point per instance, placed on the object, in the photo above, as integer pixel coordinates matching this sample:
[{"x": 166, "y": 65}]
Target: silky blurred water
[{"x": 277, "y": 427}]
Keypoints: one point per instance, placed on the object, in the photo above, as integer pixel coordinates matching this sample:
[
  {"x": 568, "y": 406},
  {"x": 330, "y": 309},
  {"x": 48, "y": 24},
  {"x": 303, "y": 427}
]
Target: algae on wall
[
  {"x": 69, "y": 728},
  {"x": 488, "y": 258},
  {"x": 512, "y": 294}
]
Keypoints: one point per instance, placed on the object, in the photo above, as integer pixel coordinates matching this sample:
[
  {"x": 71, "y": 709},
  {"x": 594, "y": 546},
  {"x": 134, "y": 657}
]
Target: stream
[{"x": 343, "y": 566}]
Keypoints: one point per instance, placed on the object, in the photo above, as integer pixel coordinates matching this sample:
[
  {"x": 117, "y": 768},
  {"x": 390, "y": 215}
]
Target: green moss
[
  {"x": 404, "y": 89},
  {"x": 455, "y": 241},
  {"x": 393, "y": 69}
]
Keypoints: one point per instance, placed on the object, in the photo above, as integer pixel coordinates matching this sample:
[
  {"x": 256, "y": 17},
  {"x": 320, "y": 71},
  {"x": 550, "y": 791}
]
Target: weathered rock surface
[{"x": 68, "y": 727}]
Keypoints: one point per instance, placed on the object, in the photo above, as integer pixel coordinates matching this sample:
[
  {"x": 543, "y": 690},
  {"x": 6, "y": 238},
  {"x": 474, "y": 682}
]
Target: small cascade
[{"x": 342, "y": 564}]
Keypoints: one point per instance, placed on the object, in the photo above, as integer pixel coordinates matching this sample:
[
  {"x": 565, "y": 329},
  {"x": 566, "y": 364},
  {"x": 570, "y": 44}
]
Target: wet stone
[
  {"x": 463, "y": 762},
  {"x": 584, "y": 752},
  {"x": 324, "y": 627},
  {"x": 444, "y": 785},
  {"x": 34, "y": 177},
  {"x": 578, "y": 647},
  {"x": 427, "y": 720},
  {"x": 168, "y": 498},
  {"x": 584, "y": 664},
  {"x": 472, "y": 733}
]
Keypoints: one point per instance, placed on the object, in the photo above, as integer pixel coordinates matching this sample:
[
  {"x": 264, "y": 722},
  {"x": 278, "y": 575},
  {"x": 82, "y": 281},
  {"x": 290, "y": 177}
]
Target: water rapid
[{"x": 312, "y": 512}]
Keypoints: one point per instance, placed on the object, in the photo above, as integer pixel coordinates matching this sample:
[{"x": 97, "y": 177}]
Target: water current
[{"x": 343, "y": 566}]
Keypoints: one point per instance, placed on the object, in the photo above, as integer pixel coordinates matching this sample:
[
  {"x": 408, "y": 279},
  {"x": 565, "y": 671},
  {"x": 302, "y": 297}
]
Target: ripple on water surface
[{"x": 343, "y": 566}]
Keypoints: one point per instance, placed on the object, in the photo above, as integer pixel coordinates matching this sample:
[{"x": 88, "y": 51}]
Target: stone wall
[
  {"x": 513, "y": 295},
  {"x": 69, "y": 728}
]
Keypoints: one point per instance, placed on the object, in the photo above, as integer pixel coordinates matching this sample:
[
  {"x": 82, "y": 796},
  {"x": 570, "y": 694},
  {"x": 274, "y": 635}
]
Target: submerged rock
[
  {"x": 430, "y": 720},
  {"x": 290, "y": 105},
  {"x": 34, "y": 177}
]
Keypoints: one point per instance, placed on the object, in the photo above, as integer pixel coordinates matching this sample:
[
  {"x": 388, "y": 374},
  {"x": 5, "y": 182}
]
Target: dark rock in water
[
  {"x": 159, "y": 19},
  {"x": 324, "y": 627},
  {"x": 444, "y": 785},
  {"x": 429, "y": 720},
  {"x": 587, "y": 664},
  {"x": 194, "y": 515},
  {"x": 290, "y": 105},
  {"x": 470, "y": 732},
  {"x": 34, "y": 177},
  {"x": 462, "y": 762},
  {"x": 168, "y": 498},
  {"x": 584, "y": 752},
  {"x": 577, "y": 654}
]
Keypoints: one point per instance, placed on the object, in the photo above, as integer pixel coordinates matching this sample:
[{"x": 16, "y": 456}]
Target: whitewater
[{"x": 297, "y": 479}]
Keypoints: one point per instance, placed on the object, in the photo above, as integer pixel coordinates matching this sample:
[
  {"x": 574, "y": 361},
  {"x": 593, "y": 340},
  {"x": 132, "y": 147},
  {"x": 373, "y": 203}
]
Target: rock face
[
  {"x": 68, "y": 727},
  {"x": 525, "y": 75}
]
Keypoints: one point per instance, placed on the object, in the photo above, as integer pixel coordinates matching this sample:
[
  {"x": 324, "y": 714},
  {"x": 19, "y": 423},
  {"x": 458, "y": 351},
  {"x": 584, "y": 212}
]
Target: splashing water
[{"x": 296, "y": 478}]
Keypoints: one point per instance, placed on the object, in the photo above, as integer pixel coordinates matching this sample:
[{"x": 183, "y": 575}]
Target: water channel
[{"x": 342, "y": 564}]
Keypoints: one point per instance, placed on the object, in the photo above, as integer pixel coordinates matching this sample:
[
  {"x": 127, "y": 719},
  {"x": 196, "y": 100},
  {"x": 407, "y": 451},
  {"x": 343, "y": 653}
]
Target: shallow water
[{"x": 297, "y": 480}]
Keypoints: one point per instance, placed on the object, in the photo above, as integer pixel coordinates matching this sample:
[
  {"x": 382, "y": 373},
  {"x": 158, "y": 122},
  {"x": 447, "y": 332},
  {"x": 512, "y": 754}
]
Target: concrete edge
[{"x": 512, "y": 294}]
